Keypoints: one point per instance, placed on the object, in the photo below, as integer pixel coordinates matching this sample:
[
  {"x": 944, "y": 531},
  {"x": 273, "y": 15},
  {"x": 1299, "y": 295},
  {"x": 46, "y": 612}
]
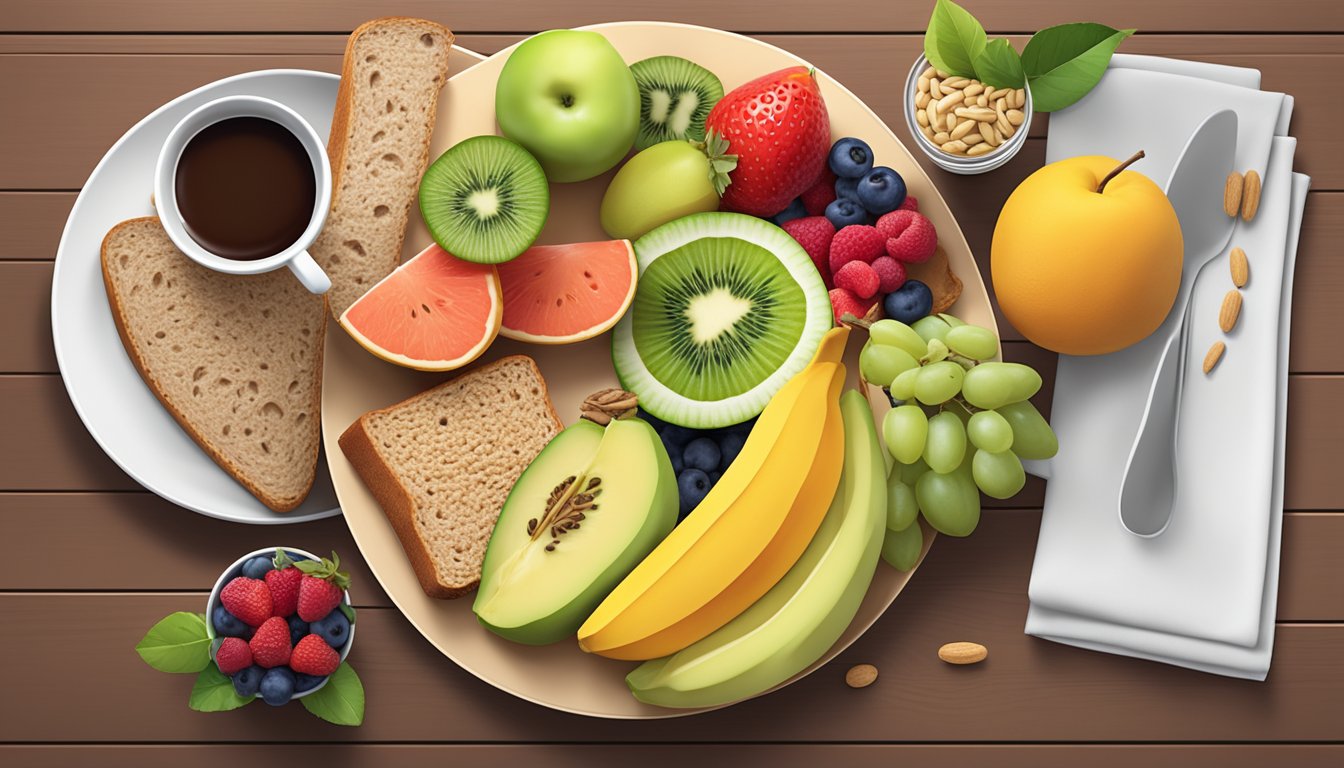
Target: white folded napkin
[{"x": 1203, "y": 593}]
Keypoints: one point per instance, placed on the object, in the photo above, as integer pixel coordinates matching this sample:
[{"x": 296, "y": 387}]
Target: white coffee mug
[{"x": 296, "y": 256}]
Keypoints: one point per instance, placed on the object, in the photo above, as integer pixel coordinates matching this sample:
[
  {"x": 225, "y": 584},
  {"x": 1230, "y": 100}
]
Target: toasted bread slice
[{"x": 237, "y": 360}]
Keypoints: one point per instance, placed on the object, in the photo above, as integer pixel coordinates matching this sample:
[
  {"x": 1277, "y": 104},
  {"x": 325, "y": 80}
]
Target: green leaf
[
  {"x": 341, "y": 700},
  {"x": 954, "y": 39},
  {"x": 1063, "y": 63},
  {"x": 178, "y": 643},
  {"x": 1000, "y": 66},
  {"x": 348, "y": 610},
  {"x": 213, "y": 692}
]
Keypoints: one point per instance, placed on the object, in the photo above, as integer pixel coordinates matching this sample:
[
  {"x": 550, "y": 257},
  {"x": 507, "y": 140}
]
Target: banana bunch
[{"x": 746, "y": 534}]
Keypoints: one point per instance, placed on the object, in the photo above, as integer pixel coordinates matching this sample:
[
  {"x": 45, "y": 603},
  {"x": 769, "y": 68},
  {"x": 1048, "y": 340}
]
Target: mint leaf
[
  {"x": 1000, "y": 66},
  {"x": 213, "y": 692},
  {"x": 341, "y": 700},
  {"x": 1064, "y": 62},
  {"x": 954, "y": 39},
  {"x": 348, "y": 610},
  {"x": 178, "y": 643}
]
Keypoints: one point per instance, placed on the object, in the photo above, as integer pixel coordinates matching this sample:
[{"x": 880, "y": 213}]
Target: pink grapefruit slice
[
  {"x": 560, "y": 294},
  {"x": 433, "y": 313}
]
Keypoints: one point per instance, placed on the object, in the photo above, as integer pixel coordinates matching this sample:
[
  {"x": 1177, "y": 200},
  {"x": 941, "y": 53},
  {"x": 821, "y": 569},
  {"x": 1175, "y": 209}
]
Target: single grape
[
  {"x": 894, "y": 333},
  {"x": 903, "y": 386},
  {"x": 910, "y": 473},
  {"x": 901, "y": 548},
  {"x": 993, "y": 385},
  {"x": 945, "y": 445},
  {"x": 989, "y": 431},
  {"x": 902, "y": 509},
  {"x": 931, "y": 327},
  {"x": 936, "y": 351},
  {"x": 951, "y": 320},
  {"x": 1032, "y": 436},
  {"x": 880, "y": 364},
  {"x": 949, "y": 502},
  {"x": 972, "y": 341},
  {"x": 938, "y": 382},
  {"x": 905, "y": 429},
  {"x": 999, "y": 475}
]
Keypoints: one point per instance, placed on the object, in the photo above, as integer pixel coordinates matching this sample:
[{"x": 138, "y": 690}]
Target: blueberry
[
  {"x": 247, "y": 681},
  {"x": 881, "y": 191},
  {"x": 729, "y": 446},
  {"x": 702, "y": 453},
  {"x": 842, "y": 212},
  {"x": 794, "y": 211},
  {"x": 847, "y": 188},
  {"x": 693, "y": 485},
  {"x": 256, "y": 567},
  {"x": 677, "y": 463},
  {"x": 850, "y": 158},
  {"x": 334, "y": 628},
  {"x": 676, "y": 438},
  {"x": 909, "y": 303},
  {"x": 714, "y": 478},
  {"x": 226, "y": 624},
  {"x": 307, "y": 682},
  {"x": 298, "y": 629},
  {"x": 277, "y": 686}
]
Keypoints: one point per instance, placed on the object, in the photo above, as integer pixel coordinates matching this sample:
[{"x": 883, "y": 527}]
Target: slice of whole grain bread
[
  {"x": 237, "y": 360},
  {"x": 379, "y": 146},
  {"x": 442, "y": 463}
]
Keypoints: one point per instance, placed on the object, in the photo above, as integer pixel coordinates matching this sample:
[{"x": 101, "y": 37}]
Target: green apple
[{"x": 569, "y": 98}]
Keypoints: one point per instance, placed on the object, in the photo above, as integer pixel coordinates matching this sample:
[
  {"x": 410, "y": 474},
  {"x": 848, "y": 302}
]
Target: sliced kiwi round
[
  {"x": 728, "y": 308},
  {"x": 675, "y": 96},
  {"x": 485, "y": 199}
]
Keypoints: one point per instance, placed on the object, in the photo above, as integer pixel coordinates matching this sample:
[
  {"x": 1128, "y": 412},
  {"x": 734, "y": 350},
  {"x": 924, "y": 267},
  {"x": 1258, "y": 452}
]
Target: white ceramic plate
[
  {"x": 560, "y": 676},
  {"x": 116, "y": 407}
]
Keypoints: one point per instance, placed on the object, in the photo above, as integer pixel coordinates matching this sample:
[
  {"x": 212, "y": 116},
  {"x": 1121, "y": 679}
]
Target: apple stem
[{"x": 1137, "y": 156}]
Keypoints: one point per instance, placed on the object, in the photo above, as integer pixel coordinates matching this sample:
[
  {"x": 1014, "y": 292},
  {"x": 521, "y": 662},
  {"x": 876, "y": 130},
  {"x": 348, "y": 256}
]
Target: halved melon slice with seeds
[{"x": 559, "y": 294}]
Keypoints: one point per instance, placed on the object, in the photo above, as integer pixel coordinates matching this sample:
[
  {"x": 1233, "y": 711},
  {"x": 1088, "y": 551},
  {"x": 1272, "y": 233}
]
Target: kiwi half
[
  {"x": 485, "y": 199},
  {"x": 675, "y": 96},
  {"x": 728, "y": 309}
]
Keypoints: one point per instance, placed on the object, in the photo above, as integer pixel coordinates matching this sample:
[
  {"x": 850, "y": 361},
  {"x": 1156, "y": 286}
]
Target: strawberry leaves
[
  {"x": 177, "y": 644},
  {"x": 327, "y": 570},
  {"x": 213, "y": 692},
  {"x": 341, "y": 700}
]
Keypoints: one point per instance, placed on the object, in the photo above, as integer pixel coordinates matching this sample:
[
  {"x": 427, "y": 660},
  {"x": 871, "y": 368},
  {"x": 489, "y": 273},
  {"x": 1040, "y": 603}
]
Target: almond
[
  {"x": 1227, "y": 315},
  {"x": 1214, "y": 354},
  {"x": 963, "y": 653},
  {"x": 1241, "y": 268},
  {"x": 1232, "y": 194},
  {"x": 861, "y": 676},
  {"x": 1250, "y": 200}
]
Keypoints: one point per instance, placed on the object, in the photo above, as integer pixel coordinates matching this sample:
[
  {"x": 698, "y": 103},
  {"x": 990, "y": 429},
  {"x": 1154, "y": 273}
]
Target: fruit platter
[{"x": 360, "y": 388}]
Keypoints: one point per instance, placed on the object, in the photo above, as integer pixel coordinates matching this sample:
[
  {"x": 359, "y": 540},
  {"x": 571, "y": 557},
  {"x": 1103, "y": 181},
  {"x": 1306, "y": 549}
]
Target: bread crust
[
  {"x": 275, "y": 503},
  {"x": 395, "y": 498}
]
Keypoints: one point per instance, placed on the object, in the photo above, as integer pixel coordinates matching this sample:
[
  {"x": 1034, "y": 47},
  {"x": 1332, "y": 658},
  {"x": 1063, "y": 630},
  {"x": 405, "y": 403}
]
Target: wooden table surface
[{"x": 91, "y": 560}]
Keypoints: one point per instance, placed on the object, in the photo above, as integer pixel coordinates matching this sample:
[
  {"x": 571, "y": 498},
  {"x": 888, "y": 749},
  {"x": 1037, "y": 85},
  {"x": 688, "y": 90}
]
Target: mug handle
[{"x": 309, "y": 273}]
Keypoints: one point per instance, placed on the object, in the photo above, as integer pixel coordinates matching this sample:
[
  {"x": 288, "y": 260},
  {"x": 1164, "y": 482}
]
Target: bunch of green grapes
[{"x": 960, "y": 423}]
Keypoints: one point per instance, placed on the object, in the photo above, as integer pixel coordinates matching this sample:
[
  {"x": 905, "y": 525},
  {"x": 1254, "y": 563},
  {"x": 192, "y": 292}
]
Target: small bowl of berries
[{"x": 280, "y": 622}]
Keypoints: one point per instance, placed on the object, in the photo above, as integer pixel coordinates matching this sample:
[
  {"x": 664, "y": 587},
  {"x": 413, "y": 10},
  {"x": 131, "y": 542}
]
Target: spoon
[{"x": 1195, "y": 189}]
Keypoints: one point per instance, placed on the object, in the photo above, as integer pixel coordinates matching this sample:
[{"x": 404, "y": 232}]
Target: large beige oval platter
[{"x": 561, "y": 676}]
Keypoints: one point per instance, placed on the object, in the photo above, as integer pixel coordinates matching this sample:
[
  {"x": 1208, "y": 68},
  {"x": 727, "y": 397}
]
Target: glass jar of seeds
[{"x": 963, "y": 125}]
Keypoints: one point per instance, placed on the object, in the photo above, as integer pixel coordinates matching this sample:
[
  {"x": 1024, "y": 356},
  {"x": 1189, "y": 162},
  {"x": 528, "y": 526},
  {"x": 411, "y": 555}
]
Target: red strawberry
[
  {"x": 844, "y": 302},
  {"x": 778, "y": 128},
  {"x": 284, "y": 585},
  {"x": 312, "y": 656},
  {"x": 911, "y": 203},
  {"x": 890, "y": 274},
  {"x": 322, "y": 587},
  {"x": 248, "y": 599},
  {"x": 856, "y": 242},
  {"x": 858, "y": 278},
  {"x": 814, "y": 233},
  {"x": 234, "y": 654},
  {"x": 820, "y": 194},
  {"x": 911, "y": 237},
  {"x": 270, "y": 645}
]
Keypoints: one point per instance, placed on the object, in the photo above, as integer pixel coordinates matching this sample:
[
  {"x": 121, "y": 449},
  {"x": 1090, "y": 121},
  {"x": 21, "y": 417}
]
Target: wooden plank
[
  {"x": 33, "y": 223},
  {"x": 1029, "y": 690},
  {"x": 702, "y": 756},
  {"x": 999, "y": 16},
  {"x": 25, "y": 307},
  {"x": 160, "y": 549}
]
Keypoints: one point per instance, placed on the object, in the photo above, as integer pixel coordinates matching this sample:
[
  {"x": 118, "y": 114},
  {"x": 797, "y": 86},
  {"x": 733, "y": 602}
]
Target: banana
[
  {"x": 748, "y": 531},
  {"x": 798, "y": 619}
]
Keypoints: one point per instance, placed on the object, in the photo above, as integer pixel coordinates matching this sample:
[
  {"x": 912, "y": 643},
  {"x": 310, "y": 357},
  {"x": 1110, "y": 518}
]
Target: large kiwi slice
[
  {"x": 675, "y": 96},
  {"x": 485, "y": 199},
  {"x": 728, "y": 308}
]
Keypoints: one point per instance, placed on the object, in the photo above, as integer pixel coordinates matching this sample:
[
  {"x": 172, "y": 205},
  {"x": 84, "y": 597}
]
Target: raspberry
[
  {"x": 844, "y": 302},
  {"x": 814, "y": 233},
  {"x": 910, "y": 236},
  {"x": 890, "y": 273},
  {"x": 911, "y": 203},
  {"x": 820, "y": 194},
  {"x": 234, "y": 654},
  {"x": 858, "y": 278},
  {"x": 856, "y": 242}
]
